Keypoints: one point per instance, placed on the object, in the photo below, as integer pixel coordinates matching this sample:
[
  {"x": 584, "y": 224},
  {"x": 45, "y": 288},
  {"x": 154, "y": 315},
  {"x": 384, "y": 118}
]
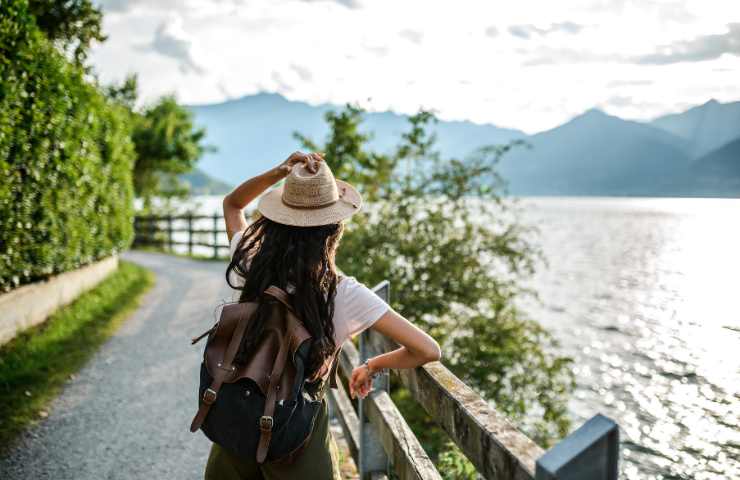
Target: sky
[{"x": 523, "y": 64}]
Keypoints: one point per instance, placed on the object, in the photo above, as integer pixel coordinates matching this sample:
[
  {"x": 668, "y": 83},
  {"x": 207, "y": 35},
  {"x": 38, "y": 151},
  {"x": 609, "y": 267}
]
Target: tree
[
  {"x": 166, "y": 140},
  {"x": 447, "y": 240},
  {"x": 72, "y": 24}
]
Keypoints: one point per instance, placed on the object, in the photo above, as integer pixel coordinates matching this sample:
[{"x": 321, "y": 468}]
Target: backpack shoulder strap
[
  {"x": 333, "y": 371},
  {"x": 279, "y": 294},
  {"x": 266, "y": 421},
  {"x": 225, "y": 368}
]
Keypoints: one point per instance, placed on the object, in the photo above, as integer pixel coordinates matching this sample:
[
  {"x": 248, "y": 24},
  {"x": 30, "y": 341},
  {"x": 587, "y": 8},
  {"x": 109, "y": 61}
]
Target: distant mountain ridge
[
  {"x": 252, "y": 133},
  {"x": 705, "y": 127},
  {"x": 591, "y": 154},
  {"x": 596, "y": 154},
  {"x": 203, "y": 184}
]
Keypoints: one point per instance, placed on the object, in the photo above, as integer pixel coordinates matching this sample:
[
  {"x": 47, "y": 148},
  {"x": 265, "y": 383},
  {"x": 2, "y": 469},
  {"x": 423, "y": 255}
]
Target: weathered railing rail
[{"x": 379, "y": 439}]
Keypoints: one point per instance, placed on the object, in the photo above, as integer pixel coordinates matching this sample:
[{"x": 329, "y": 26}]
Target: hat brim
[{"x": 271, "y": 206}]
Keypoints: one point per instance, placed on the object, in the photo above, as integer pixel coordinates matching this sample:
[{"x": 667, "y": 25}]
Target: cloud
[
  {"x": 526, "y": 31},
  {"x": 704, "y": 47},
  {"x": 556, "y": 56},
  {"x": 127, "y": 5},
  {"x": 629, "y": 83},
  {"x": 619, "y": 101},
  {"x": 118, "y": 5},
  {"x": 283, "y": 86},
  {"x": 302, "y": 72},
  {"x": 519, "y": 31},
  {"x": 567, "y": 27},
  {"x": 411, "y": 35},
  {"x": 171, "y": 40},
  {"x": 345, "y": 3},
  {"x": 379, "y": 50}
]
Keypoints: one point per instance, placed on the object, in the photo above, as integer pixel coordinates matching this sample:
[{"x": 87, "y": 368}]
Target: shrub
[{"x": 66, "y": 159}]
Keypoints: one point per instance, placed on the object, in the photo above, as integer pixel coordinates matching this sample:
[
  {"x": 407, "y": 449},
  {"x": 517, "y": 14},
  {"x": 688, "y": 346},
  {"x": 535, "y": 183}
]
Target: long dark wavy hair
[{"x": 271, "y": 253}]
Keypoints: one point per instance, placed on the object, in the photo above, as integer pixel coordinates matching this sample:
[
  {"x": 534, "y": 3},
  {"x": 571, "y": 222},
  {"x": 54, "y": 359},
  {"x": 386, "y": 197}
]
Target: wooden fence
[
  {"x": 383, "y": 445},
  {"x": 161, "y": 231}
]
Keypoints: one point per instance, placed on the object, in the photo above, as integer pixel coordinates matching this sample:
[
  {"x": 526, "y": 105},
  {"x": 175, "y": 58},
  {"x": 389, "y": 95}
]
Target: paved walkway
[{"x": 126, "y": 414}]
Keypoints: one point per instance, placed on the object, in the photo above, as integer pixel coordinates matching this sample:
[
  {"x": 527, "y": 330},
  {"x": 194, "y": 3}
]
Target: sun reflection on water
[{"x": 643, "y": 294}]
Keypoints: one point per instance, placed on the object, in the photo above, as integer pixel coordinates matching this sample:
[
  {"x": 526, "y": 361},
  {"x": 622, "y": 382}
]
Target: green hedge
[{"x": 66, "y": 159}]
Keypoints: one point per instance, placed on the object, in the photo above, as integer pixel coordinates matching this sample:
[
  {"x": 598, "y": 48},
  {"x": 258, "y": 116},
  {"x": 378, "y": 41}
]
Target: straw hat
[{"x": 308, "y": 199}]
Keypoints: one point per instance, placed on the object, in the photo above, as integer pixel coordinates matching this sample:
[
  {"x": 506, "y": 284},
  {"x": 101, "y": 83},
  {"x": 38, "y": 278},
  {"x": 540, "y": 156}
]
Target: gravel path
[{"x": 126, "y": 414}]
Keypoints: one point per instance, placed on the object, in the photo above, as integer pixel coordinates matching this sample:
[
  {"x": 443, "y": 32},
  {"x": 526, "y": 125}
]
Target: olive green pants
[{"x": 318, "y": 461}]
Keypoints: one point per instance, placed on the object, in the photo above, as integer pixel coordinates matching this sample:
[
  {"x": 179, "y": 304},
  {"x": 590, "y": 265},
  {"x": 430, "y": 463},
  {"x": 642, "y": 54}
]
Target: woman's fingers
[{"x": 313, "y": 162}]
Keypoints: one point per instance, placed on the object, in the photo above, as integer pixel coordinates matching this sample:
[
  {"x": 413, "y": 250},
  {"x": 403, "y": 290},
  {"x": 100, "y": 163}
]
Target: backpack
[{"x": 264, "y": 409}]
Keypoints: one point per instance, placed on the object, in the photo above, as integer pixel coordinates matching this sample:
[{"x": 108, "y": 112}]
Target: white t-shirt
[{"x": 356, "y": 307}]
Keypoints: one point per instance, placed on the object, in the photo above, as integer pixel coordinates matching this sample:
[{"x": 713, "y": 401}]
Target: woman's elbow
[{"x": 432, "y": 353}]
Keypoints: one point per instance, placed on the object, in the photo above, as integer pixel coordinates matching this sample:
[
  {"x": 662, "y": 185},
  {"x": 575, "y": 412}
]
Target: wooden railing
[
  {"x": 162, "y": 231},
  {"x": 382, "y": 443},
  {"x": 380, "y": 440}
]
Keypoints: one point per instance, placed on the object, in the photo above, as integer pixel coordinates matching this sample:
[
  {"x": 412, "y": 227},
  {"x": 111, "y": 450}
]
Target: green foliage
[
  {"x": 166, "y": 141},
  {"x": 66, "y": 159},
  {"x": 73, "y": 24},
  {"x": 346, "y": 156},
  {"x": 36, "y": 363},
  {"x": 453, "y": 464},
  {"x": 449, "y": 243}
]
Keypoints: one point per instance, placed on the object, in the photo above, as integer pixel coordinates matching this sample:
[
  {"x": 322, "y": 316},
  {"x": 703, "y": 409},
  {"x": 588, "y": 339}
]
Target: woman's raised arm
[{"x": 245, "y": 193}]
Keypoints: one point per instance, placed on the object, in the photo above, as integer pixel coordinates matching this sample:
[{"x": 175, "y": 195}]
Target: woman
[{"x": 293, "y": 245}]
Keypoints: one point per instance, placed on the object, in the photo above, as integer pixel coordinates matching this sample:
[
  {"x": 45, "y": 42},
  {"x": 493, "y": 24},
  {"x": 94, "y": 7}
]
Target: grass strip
[{"x": 35, "y": 365}]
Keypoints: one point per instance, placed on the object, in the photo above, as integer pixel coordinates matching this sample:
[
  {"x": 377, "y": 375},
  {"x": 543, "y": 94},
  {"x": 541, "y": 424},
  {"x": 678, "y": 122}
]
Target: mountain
[
  {"x": 592, "y": 154},
  {"x": 706, "y": 127},
  {"x": 597, "y": 154},
  {"x": 203, "y": 184},
  {"x": 255, "y": 132},
  {"x": 718, "y": 172}
]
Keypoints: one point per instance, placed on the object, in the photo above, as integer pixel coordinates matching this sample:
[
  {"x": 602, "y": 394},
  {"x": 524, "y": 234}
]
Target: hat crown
[{"x": 306, "y": 189}]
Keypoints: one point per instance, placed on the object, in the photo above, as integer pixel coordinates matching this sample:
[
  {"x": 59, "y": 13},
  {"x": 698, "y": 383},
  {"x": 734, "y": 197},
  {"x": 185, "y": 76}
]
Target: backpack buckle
[
  {"x": 265, "y": 423},
  {"x": 209, "y": 396}
]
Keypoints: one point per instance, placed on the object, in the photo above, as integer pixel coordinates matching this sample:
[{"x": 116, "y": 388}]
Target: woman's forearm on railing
[{"x": 400, "y": 358}]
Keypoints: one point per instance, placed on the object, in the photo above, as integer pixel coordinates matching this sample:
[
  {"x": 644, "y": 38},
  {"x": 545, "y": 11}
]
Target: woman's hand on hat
[{"x": 310, "y": 160}]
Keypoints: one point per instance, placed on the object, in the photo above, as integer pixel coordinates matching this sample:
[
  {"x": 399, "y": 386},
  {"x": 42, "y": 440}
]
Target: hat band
[{"x": 321, "y": 205}]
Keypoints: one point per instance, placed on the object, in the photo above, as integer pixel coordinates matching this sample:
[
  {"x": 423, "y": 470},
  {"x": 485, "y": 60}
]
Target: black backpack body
[{"x": 264, "y": 409}]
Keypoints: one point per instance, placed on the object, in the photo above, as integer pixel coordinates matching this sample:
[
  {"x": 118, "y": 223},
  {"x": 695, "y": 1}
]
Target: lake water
[{"x": 644, "y": 295}]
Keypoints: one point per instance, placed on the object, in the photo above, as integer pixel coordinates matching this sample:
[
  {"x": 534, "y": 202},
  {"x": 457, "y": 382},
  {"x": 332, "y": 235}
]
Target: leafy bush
[{"x": 66, "y": 159}]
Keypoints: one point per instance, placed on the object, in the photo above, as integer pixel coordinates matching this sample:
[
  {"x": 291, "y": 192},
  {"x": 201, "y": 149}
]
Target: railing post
[
  {"x": 372, "y": 456},
  {"x": 215, "y": 235},
  {"x": 169, "y": 232},
  {"x": 589, "y": 453},
  {"x": 190, "y": 234},
  {"x": 152, "y": 230}
]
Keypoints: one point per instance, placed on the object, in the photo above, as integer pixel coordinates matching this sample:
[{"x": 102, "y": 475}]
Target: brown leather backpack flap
[
  {"x": 231, "y": 313},
  {"x": 278, "y": 329}
]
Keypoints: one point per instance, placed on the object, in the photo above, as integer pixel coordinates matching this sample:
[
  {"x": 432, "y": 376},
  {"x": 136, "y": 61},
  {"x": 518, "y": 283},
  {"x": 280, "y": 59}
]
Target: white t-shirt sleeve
[
  {"x": 356, "y": 308},
  {"x": 235, "y": 279},
  {"x": 234, "y": 242}
]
